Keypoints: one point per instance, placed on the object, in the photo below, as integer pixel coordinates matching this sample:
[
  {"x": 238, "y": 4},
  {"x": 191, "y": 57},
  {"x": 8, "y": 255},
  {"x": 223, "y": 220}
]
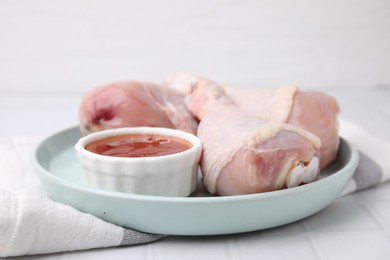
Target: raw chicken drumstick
[
  {"x": 243, "y": 154},
  {"x": 315, "y": 112},
  {"x": 132, "y": 103}
]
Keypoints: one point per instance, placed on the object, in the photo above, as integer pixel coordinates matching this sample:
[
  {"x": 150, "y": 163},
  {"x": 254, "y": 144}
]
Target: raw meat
[
  {"x": 243, "y": 154},
  {"x": 312, "y": 111},
  {"x": 132, "y": 103}
]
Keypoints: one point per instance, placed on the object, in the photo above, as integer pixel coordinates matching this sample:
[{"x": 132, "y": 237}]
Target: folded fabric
[
  {"x": 31, "y": 223},
  {"x": 374, "y": 164}
]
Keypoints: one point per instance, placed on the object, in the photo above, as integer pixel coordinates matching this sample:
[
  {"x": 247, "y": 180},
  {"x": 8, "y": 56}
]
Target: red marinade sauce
[{"x": 138, "y": 145}]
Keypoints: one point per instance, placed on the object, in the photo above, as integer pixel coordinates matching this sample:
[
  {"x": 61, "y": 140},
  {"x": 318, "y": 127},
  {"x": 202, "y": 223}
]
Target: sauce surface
[{"x": 138, "y": 145}]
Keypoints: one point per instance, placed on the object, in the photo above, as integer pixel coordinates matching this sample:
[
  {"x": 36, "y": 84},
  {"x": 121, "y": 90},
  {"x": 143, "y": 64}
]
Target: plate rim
[{"x": 41, "y": 170}]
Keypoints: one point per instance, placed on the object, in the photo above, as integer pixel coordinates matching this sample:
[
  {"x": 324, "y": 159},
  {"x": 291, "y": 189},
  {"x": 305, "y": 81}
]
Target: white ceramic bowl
[{"x": 168, "y": 175}]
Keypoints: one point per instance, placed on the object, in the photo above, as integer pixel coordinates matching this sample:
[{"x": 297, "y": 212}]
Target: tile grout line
[
  {"x": 378, "y": 220},
  {"x": 314, "y": 242},
  {"x": 234, "y": 249}
]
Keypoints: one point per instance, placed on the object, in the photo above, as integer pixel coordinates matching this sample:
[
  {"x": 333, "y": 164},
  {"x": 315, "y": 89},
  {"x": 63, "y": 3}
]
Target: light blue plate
[{"x": 55, "y": 163}]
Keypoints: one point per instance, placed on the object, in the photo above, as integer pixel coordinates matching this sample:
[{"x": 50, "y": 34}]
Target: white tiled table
[{"x": 355, "y": 227}]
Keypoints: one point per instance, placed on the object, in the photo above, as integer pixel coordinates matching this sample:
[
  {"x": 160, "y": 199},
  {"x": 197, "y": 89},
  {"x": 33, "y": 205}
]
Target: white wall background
[{"x": 71, "y": 46}]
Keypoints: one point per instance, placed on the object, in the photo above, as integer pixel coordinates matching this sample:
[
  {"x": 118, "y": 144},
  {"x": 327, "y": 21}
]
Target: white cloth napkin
[
  {"x": 374, "y": 163},
  {"x": 31, "y": 223}
]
